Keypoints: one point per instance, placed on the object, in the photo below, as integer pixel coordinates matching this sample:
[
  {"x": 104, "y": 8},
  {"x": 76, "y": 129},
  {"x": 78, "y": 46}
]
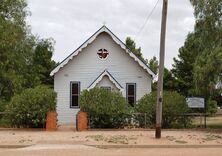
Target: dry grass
[
  {"x": 212, "y": 122},
  {"x": 116, "y": 139}
]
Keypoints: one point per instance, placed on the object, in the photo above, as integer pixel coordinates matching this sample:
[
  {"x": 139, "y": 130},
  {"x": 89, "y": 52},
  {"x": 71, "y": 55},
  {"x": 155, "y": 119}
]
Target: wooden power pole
[{"x": 161, "y": 71}]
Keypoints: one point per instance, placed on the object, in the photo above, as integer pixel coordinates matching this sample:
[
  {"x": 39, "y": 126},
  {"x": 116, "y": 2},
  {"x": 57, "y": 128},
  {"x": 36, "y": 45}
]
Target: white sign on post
[{"x": 195, "y": 102}]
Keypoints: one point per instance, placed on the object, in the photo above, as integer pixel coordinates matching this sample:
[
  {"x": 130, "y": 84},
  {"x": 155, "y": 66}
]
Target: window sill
[{"x": 74, "y": 107}]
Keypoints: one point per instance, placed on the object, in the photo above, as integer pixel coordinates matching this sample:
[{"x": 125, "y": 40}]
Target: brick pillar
[
  {"x": 82, "y": 121},
  {"x": 51, "y": 121}
]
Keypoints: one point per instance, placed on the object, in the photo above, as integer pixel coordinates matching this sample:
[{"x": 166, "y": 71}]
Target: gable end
[{"x": 116, "y": 40}]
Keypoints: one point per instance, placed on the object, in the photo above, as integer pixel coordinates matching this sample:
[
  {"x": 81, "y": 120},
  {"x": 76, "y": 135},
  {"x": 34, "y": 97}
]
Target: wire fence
[
  {"x": 144, "y": 120},
  {"x": 135, "y": 120},
  {"x": 207, "y": 120}
]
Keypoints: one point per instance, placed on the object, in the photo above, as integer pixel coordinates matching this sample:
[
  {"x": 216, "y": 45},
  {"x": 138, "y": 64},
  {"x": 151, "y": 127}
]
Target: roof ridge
[{"x": 104, "y": 28}]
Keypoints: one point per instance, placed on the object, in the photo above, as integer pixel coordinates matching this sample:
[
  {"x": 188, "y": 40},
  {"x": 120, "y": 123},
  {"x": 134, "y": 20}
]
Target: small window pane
[
  {"x": 75, "y": 101},
  {"x": 74, "y": 95},
  {"x": 131, "y": 101},
  {"x": 75, "y": 89},
  {"x": 131, "y": 93},
  {"x": 131, "y": 89}
]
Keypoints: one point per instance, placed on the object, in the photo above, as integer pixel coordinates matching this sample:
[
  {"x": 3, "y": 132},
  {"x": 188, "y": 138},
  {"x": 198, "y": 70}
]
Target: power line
[{"x": 147, "y": 19}]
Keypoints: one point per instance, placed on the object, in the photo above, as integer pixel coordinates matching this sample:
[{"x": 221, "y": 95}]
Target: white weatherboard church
[{"x": 101, "y": 61}]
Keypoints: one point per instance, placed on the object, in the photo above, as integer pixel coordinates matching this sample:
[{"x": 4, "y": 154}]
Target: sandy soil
[
  {"x": 115, "y": 152},
  {"x": 169, "y": 137}
]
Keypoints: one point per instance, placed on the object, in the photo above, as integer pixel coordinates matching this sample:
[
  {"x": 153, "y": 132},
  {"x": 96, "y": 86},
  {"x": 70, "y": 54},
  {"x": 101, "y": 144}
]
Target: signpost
[
  {"x": 195, "y": 102},
  {"x": 198, "y": 102}
]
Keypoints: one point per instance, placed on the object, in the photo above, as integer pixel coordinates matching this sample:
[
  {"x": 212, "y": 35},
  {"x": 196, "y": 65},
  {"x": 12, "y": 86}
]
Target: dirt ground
[
  {"x": 114, "y": 152},
  {"x": 70, "y": 142},
  {"x": 169, "y": 137}
]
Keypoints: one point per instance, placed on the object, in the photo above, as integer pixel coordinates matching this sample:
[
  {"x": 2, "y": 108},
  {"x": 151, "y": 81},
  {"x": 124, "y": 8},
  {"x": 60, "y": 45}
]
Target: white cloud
[{"x": 70, "y": 23}]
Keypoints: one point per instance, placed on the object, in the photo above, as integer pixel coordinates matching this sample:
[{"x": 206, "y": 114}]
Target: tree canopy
[
  {"x": 130, "y": 43},
  {"x": 208, "y": 29},
  {"x": 153, "y": 64},
  {"x": 198, "y": 67},
  {"x": 25, "y": 60}
]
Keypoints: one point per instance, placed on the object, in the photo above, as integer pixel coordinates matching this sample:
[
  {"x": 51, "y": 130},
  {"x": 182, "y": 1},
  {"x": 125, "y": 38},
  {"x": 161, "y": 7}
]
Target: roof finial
[{"x": 104, "y": 23}]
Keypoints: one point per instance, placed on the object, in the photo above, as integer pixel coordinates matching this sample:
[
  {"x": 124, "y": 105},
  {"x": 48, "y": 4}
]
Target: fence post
[
  {"x": 51, "y": 121},
  {"x": 89, "y": 121},
  {"x": 82, "y": 121},
  {"x": 184, "y": 118},
  {"x": 145, "y": 120}
]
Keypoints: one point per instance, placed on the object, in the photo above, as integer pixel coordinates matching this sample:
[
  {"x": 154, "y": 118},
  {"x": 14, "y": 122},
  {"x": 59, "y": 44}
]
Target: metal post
[
  {"x": 205, "y": 114},
  {"x": 145, "y": 120},
  {"x": 161, "y": 71}
]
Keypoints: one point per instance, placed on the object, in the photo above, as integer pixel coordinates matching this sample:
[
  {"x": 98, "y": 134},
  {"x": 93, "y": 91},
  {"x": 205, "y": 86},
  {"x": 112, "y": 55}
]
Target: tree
[
  {"x": 183, "y": 65},
  {"x": 207, "y": 72},
  {"x": 132, "y": 46},
  {"x": 153, "y": 64},
  {"x": 208, "y": 28},
  {"x": 42, "y": 61},
  {"x": 15, "y": 47},
  {"x": 199, "y": 64},
  {"x": 170, "y": 83},
  {"x": 21, "y": 54}
]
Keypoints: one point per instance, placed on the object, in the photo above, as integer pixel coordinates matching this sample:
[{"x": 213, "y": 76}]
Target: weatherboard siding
[
  {"x": 86, "y": 67},
  {"x": 105, "y": 82}
]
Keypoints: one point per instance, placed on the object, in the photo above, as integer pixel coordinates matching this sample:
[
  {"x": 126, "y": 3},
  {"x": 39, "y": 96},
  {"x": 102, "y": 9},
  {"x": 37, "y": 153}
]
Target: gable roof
[
  {"x": 91, "y": 39},
  {"x": 111, "y": 78}
]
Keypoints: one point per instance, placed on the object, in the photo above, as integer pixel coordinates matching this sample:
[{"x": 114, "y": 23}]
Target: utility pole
[{"x": 161, "y": 71}]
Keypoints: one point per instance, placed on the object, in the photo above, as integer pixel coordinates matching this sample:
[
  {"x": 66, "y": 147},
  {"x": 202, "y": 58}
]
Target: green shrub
[
  {"x": 106, "y": 108},
  {"x": 3, "y": 103},
  {"x": 211, "y": 106},
  {"x": 29, "y": 108},
  {"x": 174, "y": 108},
  {"x": 5, "y": 122}
]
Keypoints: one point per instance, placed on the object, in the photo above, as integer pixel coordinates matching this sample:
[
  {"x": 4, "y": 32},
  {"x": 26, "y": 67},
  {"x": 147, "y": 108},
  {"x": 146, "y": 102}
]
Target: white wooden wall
[{"x": 86, "y": 67}]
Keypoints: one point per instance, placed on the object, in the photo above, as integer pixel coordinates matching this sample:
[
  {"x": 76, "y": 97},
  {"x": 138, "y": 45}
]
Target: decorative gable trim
[
  {"x": 91, "y": 39},
  {"x": 111, "y": 78}
]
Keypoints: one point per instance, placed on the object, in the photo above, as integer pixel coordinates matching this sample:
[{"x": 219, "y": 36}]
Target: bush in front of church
[
  {"x": 106, "y": 108},
  {"x": 29, "y": 108},
  {"x": 174, "y": 110}
]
